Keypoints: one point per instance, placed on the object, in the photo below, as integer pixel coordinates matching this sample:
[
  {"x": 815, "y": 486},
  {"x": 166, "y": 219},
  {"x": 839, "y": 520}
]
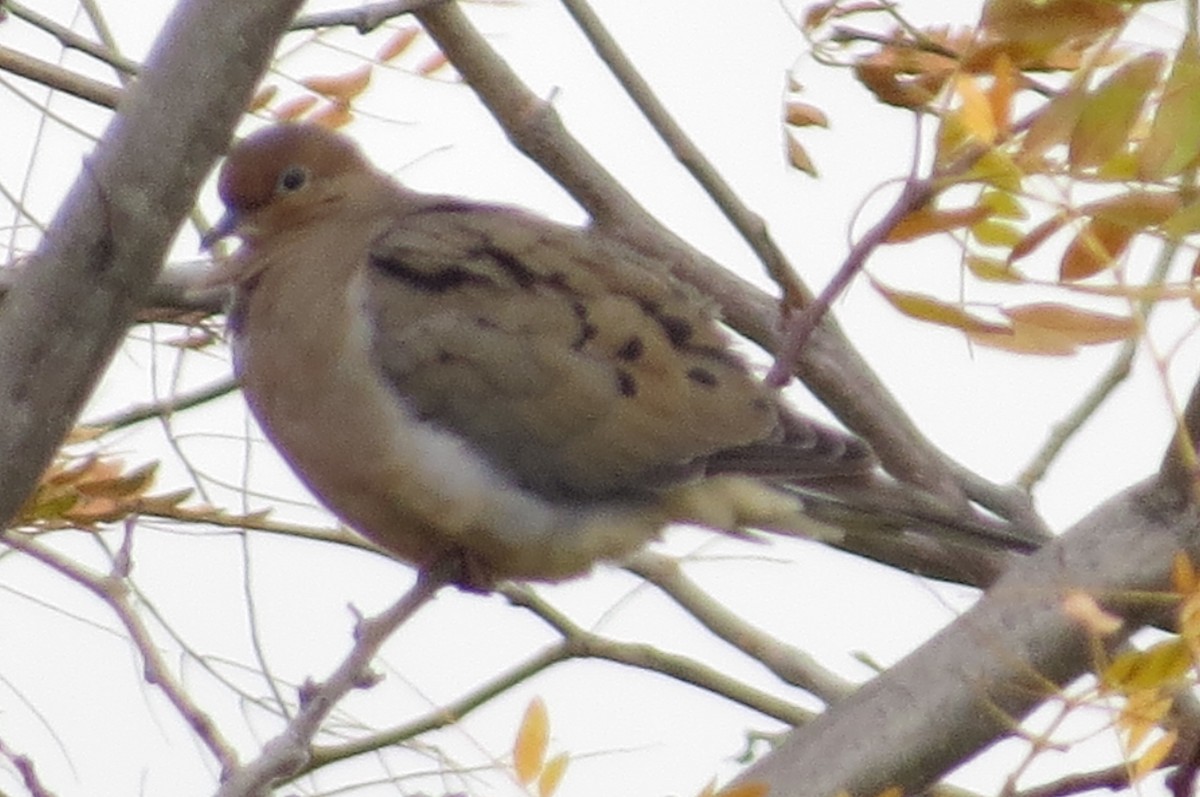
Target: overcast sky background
[{"x": 70, "y": 690}]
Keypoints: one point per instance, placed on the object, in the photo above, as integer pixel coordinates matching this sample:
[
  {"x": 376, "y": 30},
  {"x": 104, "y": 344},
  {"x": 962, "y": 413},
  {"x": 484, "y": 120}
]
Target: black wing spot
[
  {"x": 703, "y": 376},
  {"x": 631, "y": 349},
  {"x": 626, "y": 385},
  {"x": 677, "y": 329}
]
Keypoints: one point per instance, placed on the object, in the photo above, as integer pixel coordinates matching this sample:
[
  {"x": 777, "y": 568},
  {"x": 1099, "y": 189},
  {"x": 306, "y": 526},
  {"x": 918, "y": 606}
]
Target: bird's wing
[{"x": 570, "y": 361}]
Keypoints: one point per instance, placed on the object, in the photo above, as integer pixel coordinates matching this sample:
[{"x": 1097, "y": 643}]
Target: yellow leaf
[
  {"x": 1110, "y": 112},
  {"x": 1027, "y": 340},
  {"x": 1184, "y": 222},
  {"x": 976, "y": 111},
  {"x": 552, "y": 775},
  {"x": 1003, "y": 204},
  {"x": 926, "y": 308},
  {"x": 991, "y": 232},
  {"x": 1099, "y": 243},
  {"x": 1162, "y": 664},
  {"x": 1083, "y": 327},
  {"x": 529, "y": 749},
  {"x": 1048, "y": 24},
  {"x": 1154, "y": 756},
  {"x": 1174, "y": 139},
  {"x": 996, "y": 168},
  {"x": 991, "y": 269},
  {"x": 1183, "y": 573}
]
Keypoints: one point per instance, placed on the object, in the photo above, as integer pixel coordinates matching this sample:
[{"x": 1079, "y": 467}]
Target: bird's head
[{"x": 279, "y": 178}]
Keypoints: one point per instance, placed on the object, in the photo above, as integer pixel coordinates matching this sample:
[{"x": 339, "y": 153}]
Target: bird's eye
[{"x": 293, "y": 179}]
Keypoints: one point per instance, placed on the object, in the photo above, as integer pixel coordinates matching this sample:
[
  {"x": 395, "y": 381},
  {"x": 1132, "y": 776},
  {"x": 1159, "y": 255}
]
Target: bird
[{"x": 473, "y": 384}]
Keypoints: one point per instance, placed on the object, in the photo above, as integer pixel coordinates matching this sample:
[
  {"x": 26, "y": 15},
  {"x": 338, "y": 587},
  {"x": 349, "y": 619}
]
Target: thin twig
[
  {"x": 138, "y": 413},
  {"x": 442, "y": 716},
  {"x": 114, "y": 592},
  {"x": 71, "y": 40},
  {"x": 288, "y": 753},
  {"x": 789, "y": 664},
  {"x": 749, "y": 225},
  {"x": 55, "y": 77},
  {"x": 584, "y": 644}
]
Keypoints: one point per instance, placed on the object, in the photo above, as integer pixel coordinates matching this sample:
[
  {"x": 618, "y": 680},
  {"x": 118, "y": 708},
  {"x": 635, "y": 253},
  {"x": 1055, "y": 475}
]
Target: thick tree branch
[
  {"x": 69, "y": 309},
  {"x": 970, "y": 684}
]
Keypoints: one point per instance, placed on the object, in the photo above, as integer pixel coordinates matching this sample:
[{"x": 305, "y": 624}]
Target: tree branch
[{"x": 69, "y": 309}]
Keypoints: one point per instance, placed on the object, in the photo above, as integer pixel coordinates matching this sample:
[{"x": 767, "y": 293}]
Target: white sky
[{"x": 722, "y": 70}]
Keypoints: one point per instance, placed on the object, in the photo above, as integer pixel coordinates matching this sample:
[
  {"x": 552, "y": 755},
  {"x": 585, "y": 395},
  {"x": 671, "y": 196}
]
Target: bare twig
[
  {"x": 288, "y": 753},
  {"x": 71, "y": 40},
  {"x": 749, "y": 224},
  {"x": 441, "y": 717},
  {"x": 115, "y": 594},
  {"x": 584, "y": 644},
  {"x": 791, "y": 665},
  {"x": 137, "y": 413},
  {"x": 56, "y": 77}
]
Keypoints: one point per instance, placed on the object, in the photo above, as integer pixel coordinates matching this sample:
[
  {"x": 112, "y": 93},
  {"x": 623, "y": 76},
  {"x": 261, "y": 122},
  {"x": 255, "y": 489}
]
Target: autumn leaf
[
  {"x": 1083, "y": 327},
  {"x": 529, "y": 749},
  {"x": 927, "y": 308},
  {"x": 1110, "y": 112},
  {"x": 928, "y": 221},
  {"x": 1174, "y": 139},
  {"x": 1096, "y": 247}
]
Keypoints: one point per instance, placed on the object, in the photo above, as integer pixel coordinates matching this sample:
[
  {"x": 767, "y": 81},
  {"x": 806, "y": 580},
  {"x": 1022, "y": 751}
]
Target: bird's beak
[{"x": 226, "y": 226}]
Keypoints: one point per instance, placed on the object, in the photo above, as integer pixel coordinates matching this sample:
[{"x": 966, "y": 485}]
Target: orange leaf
[
  {"x": 1183, "y": 573},
  {"x": 529, "y": 749},
  {"x": 1083, "y": 327},
  {"x": 1005, "y": 83},
  {"x": 801, "y": 114},
  {"x": 397, "y": 44},
  {"x": 1174, "y": 139},
  {"x": 294, "y": 108},
  {"x": 261, "y": 98},
  {"x": 1110, "y": 112},
  {"x": 332, "y": 115},
  {"x": 344, "y": 87},
  {"x": 745, "y": 790},
  {"x": 1052, "y": 125},
  {"x": 1094, "y": 249},
  {"x": 798, "y": 156},
  {"x": 1037, "y": 236},
  {"x": 1049, "y": 24},
  {"x": 432, "y": 63},
  {"x": 1135, "y": 209},
  {"x": 1026, "y": 340},
  {"x": 928, "y": 221}
]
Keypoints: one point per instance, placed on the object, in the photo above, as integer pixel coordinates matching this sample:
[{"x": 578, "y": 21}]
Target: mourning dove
[{"x": 466, "y": 381}]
